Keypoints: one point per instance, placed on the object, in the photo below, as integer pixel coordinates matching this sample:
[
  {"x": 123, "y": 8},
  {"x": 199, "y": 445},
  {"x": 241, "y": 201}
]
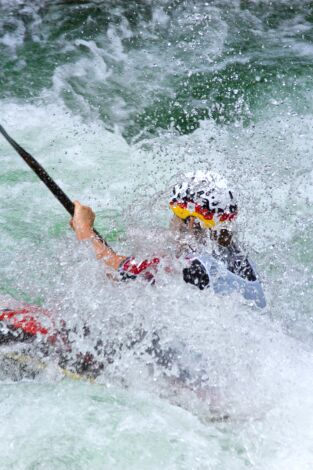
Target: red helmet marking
[{"x": 206, "y": 214}]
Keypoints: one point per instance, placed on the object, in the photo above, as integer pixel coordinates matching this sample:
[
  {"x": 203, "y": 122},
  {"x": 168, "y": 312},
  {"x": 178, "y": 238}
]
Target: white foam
[{"x": 258, "y": 374}]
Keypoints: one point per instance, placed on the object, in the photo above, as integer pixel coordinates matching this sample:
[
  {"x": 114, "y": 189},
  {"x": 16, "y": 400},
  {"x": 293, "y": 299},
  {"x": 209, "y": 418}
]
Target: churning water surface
[{"x": 114, "y": 98}]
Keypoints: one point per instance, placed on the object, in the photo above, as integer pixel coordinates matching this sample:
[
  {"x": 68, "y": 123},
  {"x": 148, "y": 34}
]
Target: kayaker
[
  {"x": 204, "y": 210},
  {"x": 202, "y": 205}
]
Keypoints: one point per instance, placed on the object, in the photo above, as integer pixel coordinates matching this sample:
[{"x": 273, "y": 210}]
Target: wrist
[{"x": 84, "y": 233}]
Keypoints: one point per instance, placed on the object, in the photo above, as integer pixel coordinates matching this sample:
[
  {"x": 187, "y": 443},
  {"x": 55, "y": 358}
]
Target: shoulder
[{"x": 131, "y": 268}]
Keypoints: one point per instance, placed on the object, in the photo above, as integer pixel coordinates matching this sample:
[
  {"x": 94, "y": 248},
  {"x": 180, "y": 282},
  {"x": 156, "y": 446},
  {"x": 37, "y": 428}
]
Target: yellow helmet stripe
[{"x": 183, "y": 213}]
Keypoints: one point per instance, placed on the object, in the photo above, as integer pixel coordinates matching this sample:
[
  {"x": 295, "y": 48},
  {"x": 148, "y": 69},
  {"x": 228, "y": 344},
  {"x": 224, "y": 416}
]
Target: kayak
[
  {"x": 32, "y": 344},
  {"x": 33, "y": 328},
  {"x": 29, "y": 338},
  {"x": 37, "y": 335}
]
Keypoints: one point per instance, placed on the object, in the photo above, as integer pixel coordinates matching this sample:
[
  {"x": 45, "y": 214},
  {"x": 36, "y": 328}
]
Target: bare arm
[{"x": 82, "y": 223}]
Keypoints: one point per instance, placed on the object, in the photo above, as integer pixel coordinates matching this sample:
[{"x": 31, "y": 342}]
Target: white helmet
[{"x": 206, "y": 196}]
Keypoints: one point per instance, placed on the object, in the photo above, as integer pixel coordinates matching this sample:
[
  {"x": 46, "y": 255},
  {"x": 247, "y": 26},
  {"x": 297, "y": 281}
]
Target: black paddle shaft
[{"x": 45, "y": 178}]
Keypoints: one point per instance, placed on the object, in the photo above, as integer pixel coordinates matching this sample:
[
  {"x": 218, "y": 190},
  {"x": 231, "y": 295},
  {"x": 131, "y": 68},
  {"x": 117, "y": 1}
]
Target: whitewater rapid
[{"x": 114, "y": 105}]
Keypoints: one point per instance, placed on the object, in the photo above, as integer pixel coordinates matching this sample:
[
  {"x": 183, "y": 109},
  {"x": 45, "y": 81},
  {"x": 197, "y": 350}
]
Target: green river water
[{"x": 114, "y": 98}]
